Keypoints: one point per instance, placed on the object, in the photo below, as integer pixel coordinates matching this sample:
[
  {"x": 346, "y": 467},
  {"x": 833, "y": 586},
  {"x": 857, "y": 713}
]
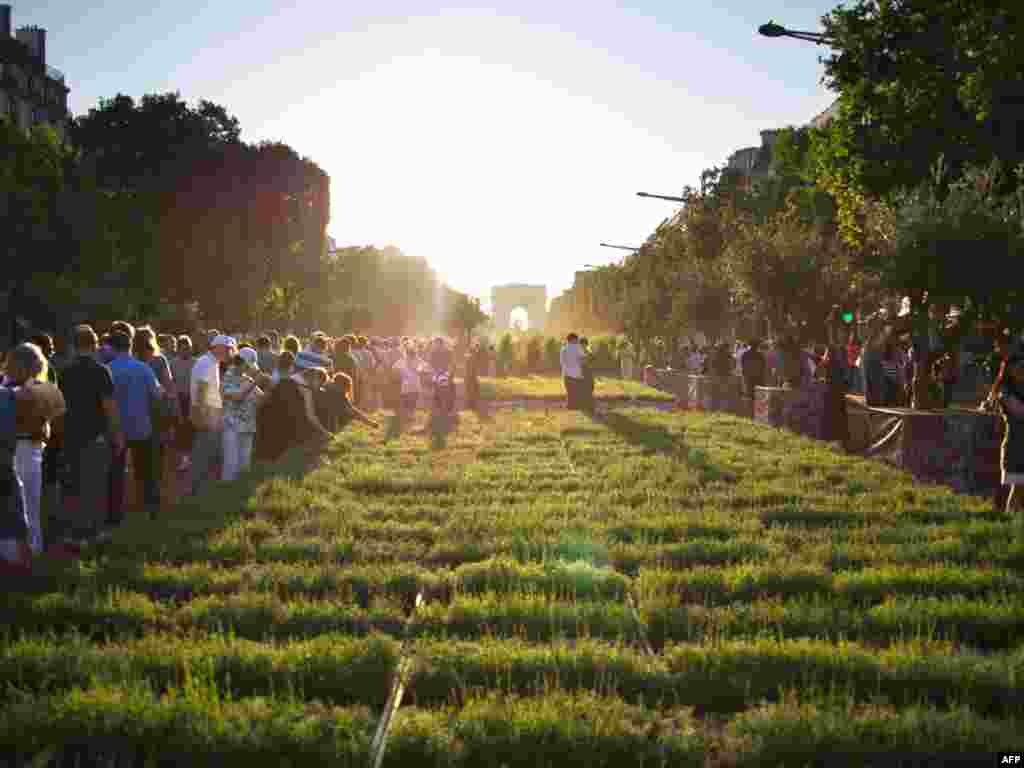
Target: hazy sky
[{"x": 502, "y": 143}]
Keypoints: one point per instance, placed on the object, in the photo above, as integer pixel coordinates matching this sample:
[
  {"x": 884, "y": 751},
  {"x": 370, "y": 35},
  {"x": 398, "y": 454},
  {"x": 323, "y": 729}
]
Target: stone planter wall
[
  {"x": 717, "y": 393},
  {"x": 672, "y": 381},
  {"x": 958, "y": 447},
  {"x": 798, "y": 410}
]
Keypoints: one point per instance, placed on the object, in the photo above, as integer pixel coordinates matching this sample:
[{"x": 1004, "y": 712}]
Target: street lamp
[
  {"x": 620, "y": 247},
  {"x": 771, "y": 29},
  {"x": 661, "y": 197}
]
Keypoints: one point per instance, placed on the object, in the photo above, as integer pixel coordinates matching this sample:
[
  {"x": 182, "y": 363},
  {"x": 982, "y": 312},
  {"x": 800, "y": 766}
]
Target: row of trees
[
  {"x": 915, "y": 189},
  {"x": 159, "y": 210}
]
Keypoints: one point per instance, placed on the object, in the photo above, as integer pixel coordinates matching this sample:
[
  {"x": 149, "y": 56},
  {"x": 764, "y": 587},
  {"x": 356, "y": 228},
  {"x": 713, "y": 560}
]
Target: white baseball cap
[{"x": 223, "y": 341}]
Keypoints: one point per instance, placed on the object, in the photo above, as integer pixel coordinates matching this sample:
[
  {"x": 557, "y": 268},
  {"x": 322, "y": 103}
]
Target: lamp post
[
  {"x": 771, "y": 29},
  {"x": 661, "y": 197},
  {"x": 620, "y": 247}
]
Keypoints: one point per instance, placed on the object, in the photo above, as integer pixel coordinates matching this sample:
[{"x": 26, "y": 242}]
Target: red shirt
[{"x": 852, "y": 352}]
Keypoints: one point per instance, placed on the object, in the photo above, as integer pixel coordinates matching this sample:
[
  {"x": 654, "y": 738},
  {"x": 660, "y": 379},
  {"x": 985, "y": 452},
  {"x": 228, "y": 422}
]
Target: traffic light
[{"x": 846, "y": 316}]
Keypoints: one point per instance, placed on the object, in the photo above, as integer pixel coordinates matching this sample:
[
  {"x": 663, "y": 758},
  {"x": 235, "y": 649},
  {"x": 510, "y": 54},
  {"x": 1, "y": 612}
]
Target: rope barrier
[{"x": 402, "y": 678}]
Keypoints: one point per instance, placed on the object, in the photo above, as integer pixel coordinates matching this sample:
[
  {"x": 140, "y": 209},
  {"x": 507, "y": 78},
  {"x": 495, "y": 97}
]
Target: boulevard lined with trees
[
  {"x": 915, "y": 189},
  {"x": 527, "y": 586}
]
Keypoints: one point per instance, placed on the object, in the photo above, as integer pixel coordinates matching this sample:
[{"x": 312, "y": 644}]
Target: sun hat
[{"x": 249, "y": 355}]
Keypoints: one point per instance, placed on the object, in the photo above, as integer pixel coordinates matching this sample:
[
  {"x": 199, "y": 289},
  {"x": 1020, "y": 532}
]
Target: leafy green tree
[
  {"x": 506, "y": 354},
  {"x": 226, "y": 213},
  {"x": 33, "y": 174},
  {"x": 917, "y": 80},
  {"x": 552, "y": 355},
  {"x": 465, "y": 315}
]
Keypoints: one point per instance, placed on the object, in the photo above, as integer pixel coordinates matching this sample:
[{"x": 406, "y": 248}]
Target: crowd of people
[
  {"x": 169, "y": 404},
  {"x": 883, "y": 370},
  {"x": 164, "y": 404}
]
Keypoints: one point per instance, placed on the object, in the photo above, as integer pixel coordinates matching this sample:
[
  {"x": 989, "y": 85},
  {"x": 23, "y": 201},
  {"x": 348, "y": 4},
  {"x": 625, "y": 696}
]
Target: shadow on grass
[
  {"x": 652, "y": 438},
  {"x": 172, "y": 534},
  {"x": 394, "y": 427},
  {"x": 440, "y": 426},
  {"x": 657, "y": 439}
]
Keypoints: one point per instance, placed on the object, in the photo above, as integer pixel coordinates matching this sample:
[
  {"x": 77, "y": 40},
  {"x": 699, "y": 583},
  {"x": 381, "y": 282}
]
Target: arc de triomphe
[{"x": 532, "y": 298}]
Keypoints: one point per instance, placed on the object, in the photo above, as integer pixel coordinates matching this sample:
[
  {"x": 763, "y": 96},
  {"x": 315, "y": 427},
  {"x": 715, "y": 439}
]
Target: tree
[
  {"x": 225, "y": 213},
  {"x": 464, "y": 315},
  {"x": 33, "y": 170},
  {"x": 917, "y": 80}
]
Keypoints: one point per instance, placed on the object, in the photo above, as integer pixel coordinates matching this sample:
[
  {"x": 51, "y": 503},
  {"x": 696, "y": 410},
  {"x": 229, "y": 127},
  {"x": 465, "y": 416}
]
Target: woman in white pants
[
  {"x": 38, "y": 403},
  {"x": 242, "y": 395}
]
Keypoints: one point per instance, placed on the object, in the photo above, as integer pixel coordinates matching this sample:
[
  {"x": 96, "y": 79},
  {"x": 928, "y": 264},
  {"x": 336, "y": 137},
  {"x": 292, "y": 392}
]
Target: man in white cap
[{"x": 207, "y": 409}]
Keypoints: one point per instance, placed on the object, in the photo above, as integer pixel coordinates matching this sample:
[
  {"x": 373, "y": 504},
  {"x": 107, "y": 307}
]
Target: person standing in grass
[
  {"x": 571, "y": 359},
  {"x": 181, "y": 368},
  {"x": 265, "y": 355},
  {"x": 287, "y": 415},
  {"x": 242, "y": 395},
  {"x": 137, "y": 392},
  {"x": 166, "y": 414},
  {"x": 334, "y": 405},
  {"x": 754, "y": 368},
  {"x": 409, "y": 368},
  {"x": 38, "y": 403},
  {"x": 1011, "y": 406},
  {"x": 92, "y": 431},
  {"x": 285, "y": 367},
  {"x": 345, "y": 362},
  {"x": 207, "y": 410}
]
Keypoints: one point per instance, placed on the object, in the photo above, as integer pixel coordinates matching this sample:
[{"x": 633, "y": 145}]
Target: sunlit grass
[
  {"x": 538, "y": 387},
  {"x": 799, "y": 595}
]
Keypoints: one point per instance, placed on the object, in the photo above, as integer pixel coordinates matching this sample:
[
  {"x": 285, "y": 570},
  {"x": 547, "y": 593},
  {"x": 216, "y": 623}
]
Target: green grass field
[
  {"x": 551, "y": 388},
  {"x": 645, "y": 590}
]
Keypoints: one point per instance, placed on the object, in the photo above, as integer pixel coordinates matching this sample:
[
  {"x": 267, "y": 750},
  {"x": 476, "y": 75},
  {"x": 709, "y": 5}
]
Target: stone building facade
[{"x": 31, "y": 91}]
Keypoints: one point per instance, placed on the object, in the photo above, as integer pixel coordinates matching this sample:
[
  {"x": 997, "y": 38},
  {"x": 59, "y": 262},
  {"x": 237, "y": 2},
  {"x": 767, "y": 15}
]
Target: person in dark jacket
[
  {"x": 334, "y": 405},
  {"x": 754, "y": 367},
  {"x": 287, "y": 415},
  {"x": 722, "y": 364},
  {"x": 837, "y": 426}
]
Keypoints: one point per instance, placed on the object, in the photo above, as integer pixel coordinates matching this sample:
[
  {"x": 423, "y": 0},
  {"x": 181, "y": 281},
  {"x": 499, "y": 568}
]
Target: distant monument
[{"x": 532, "y": 298}]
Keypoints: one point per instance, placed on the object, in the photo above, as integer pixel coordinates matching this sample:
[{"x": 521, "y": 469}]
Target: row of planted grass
[
  {"x": 527, "y": 530},
  {"x": 343, "y": 670},
  {"x": 700, "y": 584},
  {"x": 198, "y": 727},
  {"x": 993, "y": 623}
]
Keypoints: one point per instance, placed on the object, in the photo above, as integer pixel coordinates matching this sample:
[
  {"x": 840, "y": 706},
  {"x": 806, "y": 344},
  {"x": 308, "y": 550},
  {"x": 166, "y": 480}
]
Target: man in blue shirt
[{"x": 136, "y": 390}]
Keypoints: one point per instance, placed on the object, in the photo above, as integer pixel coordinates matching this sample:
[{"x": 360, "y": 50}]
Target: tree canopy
[{"x": 918, "y": 79}]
